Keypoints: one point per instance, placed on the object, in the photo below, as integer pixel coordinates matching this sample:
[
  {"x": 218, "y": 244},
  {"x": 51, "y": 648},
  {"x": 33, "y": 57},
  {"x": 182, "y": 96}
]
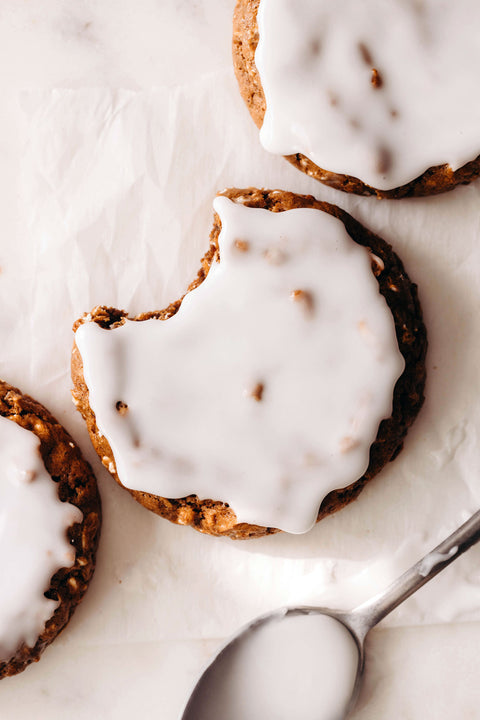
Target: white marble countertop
[{"x": 103, "y": 89}]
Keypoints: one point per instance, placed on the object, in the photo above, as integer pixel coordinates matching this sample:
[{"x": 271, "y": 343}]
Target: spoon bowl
[
  {"x": 312, "y": 657},
  {"x": 250, "y": 673}
]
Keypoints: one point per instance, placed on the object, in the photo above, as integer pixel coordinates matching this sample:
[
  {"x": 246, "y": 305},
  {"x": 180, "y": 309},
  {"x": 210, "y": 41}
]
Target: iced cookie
[
  {"x": 369, "y": 97},
  {"x": 49, "y": 529},
  {"x": 280, "y": 384}
]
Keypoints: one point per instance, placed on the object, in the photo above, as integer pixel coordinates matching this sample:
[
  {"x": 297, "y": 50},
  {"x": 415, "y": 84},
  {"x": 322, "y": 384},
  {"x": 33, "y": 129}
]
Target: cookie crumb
[
  {"x": 304, "y": 297},
  {"x": 242, "y": 245},
  {"x": 122, "y": 408},
  {"x": 377, "y": 80},
  {"x": 256, "y": 393}
]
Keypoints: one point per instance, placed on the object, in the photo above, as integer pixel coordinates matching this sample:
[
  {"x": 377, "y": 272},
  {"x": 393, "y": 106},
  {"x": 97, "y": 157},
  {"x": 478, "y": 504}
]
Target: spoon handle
[{"x": 374, "y": 610}]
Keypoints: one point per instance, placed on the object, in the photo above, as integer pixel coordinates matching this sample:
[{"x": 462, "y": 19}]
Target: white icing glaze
[
  {"x": 33, "y": 538},
  {"x": 267, "y": 387},
  {"x": 292, "y": 667},
  {"x": 315, "y": 60},
  {"x": 434, "y": 559}
]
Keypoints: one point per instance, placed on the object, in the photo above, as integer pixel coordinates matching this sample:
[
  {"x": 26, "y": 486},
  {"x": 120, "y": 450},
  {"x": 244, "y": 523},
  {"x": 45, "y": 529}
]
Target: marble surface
[{"x": 119, "y": 120}]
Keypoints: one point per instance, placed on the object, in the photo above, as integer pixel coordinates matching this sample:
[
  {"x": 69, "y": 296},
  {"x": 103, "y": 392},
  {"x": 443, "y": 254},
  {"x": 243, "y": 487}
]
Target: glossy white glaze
[
  {"x": 33, "y": 538},
  {"x": 300, "y": 666},
  {"x": 267, "y": 388},
  {"x": 379, "y": 91}
]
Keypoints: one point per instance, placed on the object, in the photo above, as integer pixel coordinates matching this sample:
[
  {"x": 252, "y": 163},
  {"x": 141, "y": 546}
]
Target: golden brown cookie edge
[{"x": 77, "y": 485}]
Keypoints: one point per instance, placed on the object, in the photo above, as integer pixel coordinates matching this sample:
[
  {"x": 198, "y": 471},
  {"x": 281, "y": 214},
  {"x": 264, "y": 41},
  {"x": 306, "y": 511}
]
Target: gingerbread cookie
[
  {"x": 371, "y": 98},
  {"x": 49, "y": 528},
  {"x": 282, "y": 382}
]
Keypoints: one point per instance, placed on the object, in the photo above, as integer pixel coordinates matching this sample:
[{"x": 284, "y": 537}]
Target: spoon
[{"x": 274, "y": 667}]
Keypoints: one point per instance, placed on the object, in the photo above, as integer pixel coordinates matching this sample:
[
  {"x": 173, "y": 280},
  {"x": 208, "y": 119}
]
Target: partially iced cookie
[
  {"x": 275, "y": 388},
  {"x": 49, "y": 528},
  {"x": 368, "y": 97}
]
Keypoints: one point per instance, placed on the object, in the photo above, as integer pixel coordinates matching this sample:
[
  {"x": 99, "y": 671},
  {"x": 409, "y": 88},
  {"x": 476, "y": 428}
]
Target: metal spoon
[{"x": 360, "y": 620}]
